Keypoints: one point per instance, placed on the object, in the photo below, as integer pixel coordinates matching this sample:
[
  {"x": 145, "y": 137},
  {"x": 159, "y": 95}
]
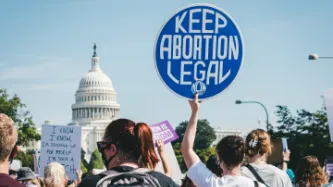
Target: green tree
[
  {"x": 83, "y": 168},
  {"x": 205, "y": 134},
  {"x": 25, "y": 126},
  {"x": 96, "y": 161},
  {"x": 26, "y": 159},
  {"x": 307, "y": 133},
  {"x": 84, "y": 163}
]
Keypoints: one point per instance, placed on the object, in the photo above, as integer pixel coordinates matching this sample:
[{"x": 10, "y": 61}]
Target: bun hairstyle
[
  {"x": 231, "y": 150},
  {"x": 258, "y": 142},
  {"x": 133, "y": 141}
]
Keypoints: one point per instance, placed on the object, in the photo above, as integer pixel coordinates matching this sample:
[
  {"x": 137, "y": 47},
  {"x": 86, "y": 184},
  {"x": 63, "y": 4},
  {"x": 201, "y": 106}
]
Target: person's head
[
  {"x": 258, "y": 143},
  {"x": 84, "y": 175},
  {"x": 309, "y": 172},
  {"x": 13, "y": 174},
  {"x": 8, "y": 137},
  {"x": 214, "y": 166},
  {"x": 55, "y": 175},
  {"x": 125, "y": 141},
  {"x": 230, "y": 151},
  {"x": 41, "y": 181},
  {"x": 13, "y": 168},
  {"x": 187, "y": 182},
  {"x": 26, "y": 176}
]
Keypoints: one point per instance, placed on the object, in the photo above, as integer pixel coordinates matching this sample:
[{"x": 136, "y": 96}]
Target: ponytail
[{"x": 146, "y": 145}]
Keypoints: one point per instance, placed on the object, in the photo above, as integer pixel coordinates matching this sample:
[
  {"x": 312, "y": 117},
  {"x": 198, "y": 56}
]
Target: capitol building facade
[{"x": 94, "y": 108}]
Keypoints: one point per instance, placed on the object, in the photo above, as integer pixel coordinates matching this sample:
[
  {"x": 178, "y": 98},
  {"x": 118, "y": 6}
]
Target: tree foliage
[
  {"x": 205, "y": 134},
  {"x": 96, "y": 161},
  {"x": 26, "y": 159},
  {"x": 84, "y": 164},
  {"x": 11, "y": 106},
  {"x": 203, "y": 155},
  {"x": 307, "y": 133}
]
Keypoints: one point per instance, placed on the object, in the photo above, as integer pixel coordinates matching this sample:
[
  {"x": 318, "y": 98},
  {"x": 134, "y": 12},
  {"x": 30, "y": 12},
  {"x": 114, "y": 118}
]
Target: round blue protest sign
[{"x": 199, "y": 50}]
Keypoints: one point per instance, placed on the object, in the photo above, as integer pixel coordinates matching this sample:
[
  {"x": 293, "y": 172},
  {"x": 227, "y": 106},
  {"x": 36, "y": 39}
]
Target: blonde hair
[
  {"x": 55, "y": 175},
  {"x": 258, "y": 141},
  {"x": 36, "y": 182},
  {"x": 8, "y": 136}
]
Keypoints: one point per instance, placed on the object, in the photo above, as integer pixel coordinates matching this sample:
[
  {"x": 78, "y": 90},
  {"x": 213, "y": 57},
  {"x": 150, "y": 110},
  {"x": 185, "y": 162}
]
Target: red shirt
[{"x": 7, "y": 181}]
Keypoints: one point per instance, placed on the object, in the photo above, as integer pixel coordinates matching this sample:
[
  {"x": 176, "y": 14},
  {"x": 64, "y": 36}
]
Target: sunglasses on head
[
  {"x": 102, "y": 145},
  {"x": 11, "y": 156}
]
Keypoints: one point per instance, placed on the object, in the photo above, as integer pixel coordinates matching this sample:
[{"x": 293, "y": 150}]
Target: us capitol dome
[
  {"x": 94, "y": 108},
  {"x": 96, "y": 99}
]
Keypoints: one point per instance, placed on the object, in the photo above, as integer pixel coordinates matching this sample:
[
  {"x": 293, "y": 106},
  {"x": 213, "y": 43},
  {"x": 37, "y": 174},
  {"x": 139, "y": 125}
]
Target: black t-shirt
[
  {"x": 164, "y": 180},
  {"x": 7, "y": 181}
]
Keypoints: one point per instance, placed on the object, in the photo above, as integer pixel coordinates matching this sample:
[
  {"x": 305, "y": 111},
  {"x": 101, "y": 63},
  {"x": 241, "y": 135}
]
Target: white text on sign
[{"x": 205, "y": 49}]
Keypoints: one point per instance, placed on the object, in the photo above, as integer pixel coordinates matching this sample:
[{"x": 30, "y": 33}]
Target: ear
[{"x": 113, "y": 149}]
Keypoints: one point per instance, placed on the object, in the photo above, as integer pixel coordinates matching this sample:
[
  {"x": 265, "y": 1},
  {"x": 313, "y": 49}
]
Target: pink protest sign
[{"x": 164, "y": 131}]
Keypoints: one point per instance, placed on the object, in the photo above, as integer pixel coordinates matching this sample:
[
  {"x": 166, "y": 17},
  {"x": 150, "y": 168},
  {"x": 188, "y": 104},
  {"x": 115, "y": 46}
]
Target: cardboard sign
[
  {"x": 36, "y": 163},
  {"x": 177, "y": 175},
  {"x": 61, "y": 144},
  {"x": 164, "y": 131},
  {"x": 279, "y": 145},
  {"x": 328, "y": 99},
  {"x": 199, "y": 49}
]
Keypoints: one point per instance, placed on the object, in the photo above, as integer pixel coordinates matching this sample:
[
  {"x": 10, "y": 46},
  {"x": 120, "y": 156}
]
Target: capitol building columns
[
  {"x": 94, "y": 113},
  {"x": 95, "y": 106}
]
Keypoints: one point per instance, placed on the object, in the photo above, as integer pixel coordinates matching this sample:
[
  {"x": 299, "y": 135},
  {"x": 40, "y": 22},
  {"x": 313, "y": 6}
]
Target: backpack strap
[
  {"x": 256, "y": 184},
  {"x": 113, "y": 174},
  {"x": 107, "y": 174},
  {"x": 142, "y": 170},
  {"x": 147, "y": 171},
  {"x": 256, "y": 175}
]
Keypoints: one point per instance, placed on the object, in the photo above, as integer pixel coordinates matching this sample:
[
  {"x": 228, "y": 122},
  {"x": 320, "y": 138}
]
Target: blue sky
[{"x": 46, "y": 48}]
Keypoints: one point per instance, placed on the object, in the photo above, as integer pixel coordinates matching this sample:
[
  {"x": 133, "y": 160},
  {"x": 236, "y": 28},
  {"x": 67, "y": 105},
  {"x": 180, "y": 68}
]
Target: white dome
[
  {"x": 96, "y": 99},
  {"x": 95, "y": 79}
]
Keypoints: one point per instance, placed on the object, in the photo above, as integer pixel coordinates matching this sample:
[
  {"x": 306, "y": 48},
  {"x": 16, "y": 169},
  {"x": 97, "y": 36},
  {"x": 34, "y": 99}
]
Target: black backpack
[{"x": 136, "y": 178}]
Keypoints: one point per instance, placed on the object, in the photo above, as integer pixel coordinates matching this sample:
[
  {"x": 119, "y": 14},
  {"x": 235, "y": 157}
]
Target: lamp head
[
  {"x": 313, "y": 57},
  {"x": 238, "y": 102}
]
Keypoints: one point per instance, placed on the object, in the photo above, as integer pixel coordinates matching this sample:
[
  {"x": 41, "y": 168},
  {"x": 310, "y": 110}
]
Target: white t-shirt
[
  {"x": 201, "y": 176},
  {"x": 271, "y": 175}
]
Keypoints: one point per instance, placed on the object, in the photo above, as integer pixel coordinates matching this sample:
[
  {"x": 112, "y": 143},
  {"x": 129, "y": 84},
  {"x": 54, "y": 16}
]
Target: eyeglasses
[{"x": 102, "y": 145}]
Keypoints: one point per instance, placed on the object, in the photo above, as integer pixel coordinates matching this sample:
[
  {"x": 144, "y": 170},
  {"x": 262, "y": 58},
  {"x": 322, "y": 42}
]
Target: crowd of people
[{"x": 129, "y": 156}]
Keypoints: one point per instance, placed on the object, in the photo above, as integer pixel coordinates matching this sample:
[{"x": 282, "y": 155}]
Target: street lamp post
[
  {"x": 256, "y": 102},
  {"x": 314, "y": 56}
]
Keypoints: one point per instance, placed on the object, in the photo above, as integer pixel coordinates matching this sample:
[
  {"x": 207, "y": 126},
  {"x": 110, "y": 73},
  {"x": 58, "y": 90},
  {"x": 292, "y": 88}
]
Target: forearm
[
  {"x": 284, "y": 166},
  {"x": 189, "y": 136},
  {"x": 166, "y": 166},
  {"x": 188, "y": 141}
]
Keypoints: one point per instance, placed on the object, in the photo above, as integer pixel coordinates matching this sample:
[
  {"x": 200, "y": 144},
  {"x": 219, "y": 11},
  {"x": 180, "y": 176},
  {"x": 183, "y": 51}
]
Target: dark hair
[
  {"x": 134, "y": 141},
  {"x": 84, "y": 175},
  {"x": 187, "y": 182},
  {"x": 214, "y": 166},
  {"x": 310, "y": 173},
  {"x": 231, "y": 150}
]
